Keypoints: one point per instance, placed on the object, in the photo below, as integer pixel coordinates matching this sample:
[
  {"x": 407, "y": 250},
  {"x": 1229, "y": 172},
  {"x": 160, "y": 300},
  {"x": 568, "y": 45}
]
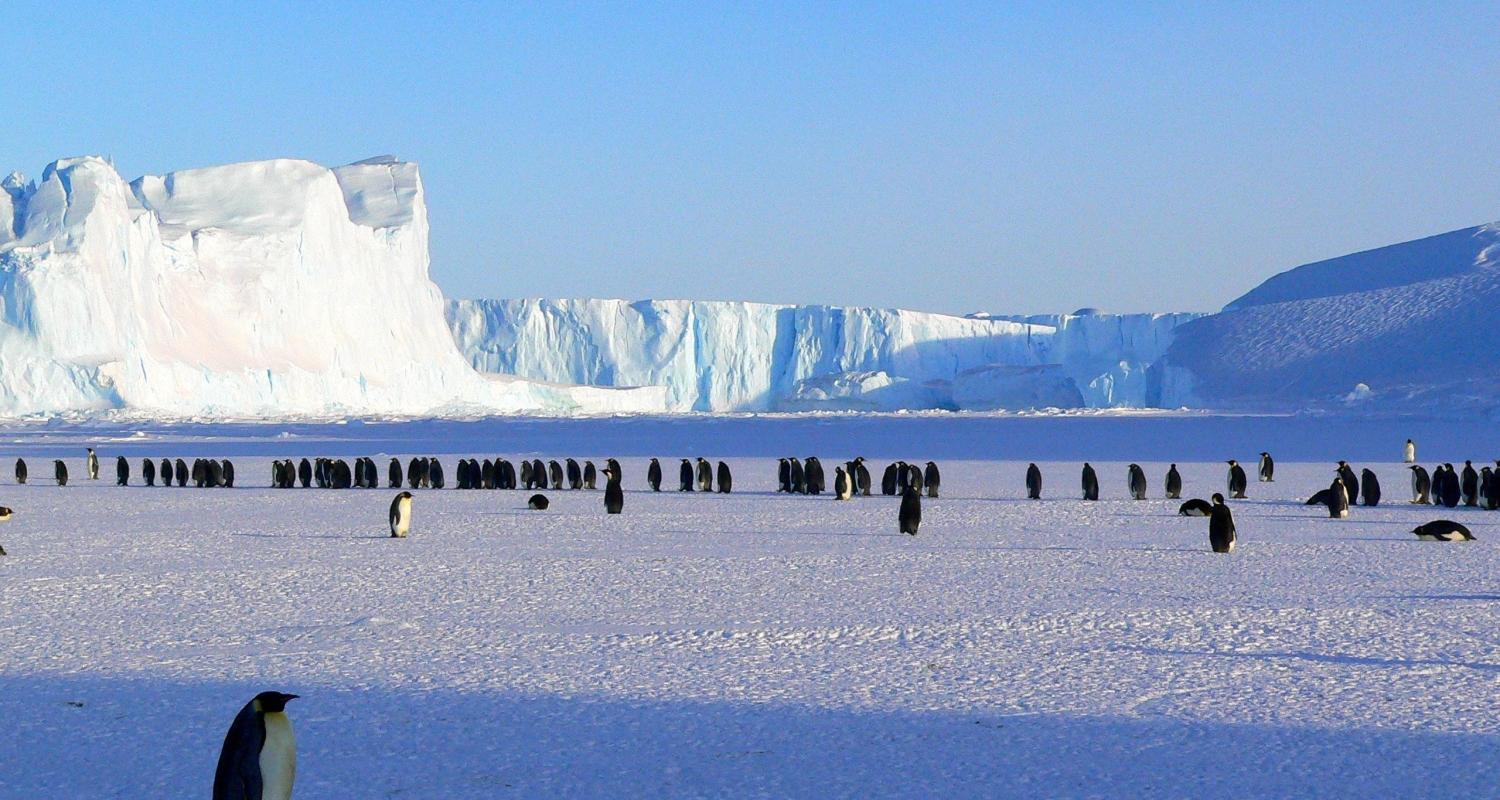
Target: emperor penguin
[
  {"x": 1486, "y": 488},
  {"x": 182, "y": 473},
  {"x": 401, "y": 515},
  {"x": 842, "y": 488},
  {"x": 1267, "y": 468},
  {"x": 555, "y": 474},
  {"x": 1338, "y": 499},
  {"x": 783, "y": 475},
  {"x": 60, "y": 471},
  {"x": 1174, "y": 483},
  {"x": 537, "y": 502},
  {"x": 590, "y": 475},
  {"x": 228, "y": 474},
  {"x": 910, "y": 515},
  {"x": 1411, "y": 452},
  {"x": 914, "y": 477},
  {"x": 1451, "y": 490},
  {"x": 932, "y": 479},
  {"x": 393, "y": 474},
  {"x": 705, "y": 476},
  {"x": 526, "y": 474},
  {"x": 259, "y": 757},
  {"x": 21, "y": 470},
  {"x": 93, "y": 464},
  {"x": 1421, "y": 486},
  {"x": 726, "y": 480},
  {"x": 413, "y": 474},
  {"x": 1238, "y": 483},
  {"x": 1351, "y": 483},
  {"x": 1198, "y": 508},
  {"x": 435, "y": 473},
  {"x": 1090, "y": 483},
  {"x": 575, "y": 474},
  {"x": 1137, "y": 481},
  {"x": 342, "y": 477},
  {"x": 166, "y": 472},
  {"x": 888, "y": 480},
  {"x": 1369, "y": 488},
  {"x": 1221, "y": 534},
  {"x": 862, "y": 478},
  {"x": 813, "y": 482},
  {"x": 653, "y": 475},
  {"x": 614, "y": 496},
  {"x": 148, "y": 471},
  {"x": 5, "y": 515},
  {"x": 1033, "y": 482},
  {"x": 685, "y": 476},
  {"x": 1443, "y": 530},
  {"x": 305, "y": 473},
  {"x": 903, "y": 477},
  {"x": 122, "y": 471},
  {"x": 798, "y": 476},
  {"x": 538, "y": 474},
  {"x": 1469, "y": 488}
]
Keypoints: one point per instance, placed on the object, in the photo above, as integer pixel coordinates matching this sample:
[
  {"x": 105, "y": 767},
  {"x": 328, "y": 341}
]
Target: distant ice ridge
[
  {"x": 269, "y": 288},
  {"x": 732, "y": 356}
]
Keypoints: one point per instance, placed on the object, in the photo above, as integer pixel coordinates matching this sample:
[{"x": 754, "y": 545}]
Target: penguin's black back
[
  {"x": 910, "y": 516},
  {"x": 1221, "y": 532},
  {"x": 1370, "y": 488},
  {"x": 1033, "y": 482}
]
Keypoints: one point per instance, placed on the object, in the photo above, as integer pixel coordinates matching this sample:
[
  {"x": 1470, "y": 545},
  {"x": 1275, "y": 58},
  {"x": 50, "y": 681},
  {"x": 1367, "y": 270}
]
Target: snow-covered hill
[
  {"x": 266, "y": 288},
  {"x": 1407, "y": 327},
  {"x": 728, "y": 356}
]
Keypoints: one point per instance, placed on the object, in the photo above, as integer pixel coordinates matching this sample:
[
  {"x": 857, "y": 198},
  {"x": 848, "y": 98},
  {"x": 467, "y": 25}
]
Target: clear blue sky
[{"x": 955, "y": 158}]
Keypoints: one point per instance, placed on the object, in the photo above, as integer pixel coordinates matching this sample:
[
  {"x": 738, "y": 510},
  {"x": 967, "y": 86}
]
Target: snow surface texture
[
  {"x": 728, "y": 356},
  {"x": 752, "y": 644},
  {"x": 1414, "y": 323},
  {"x": 265, "y": 288}
]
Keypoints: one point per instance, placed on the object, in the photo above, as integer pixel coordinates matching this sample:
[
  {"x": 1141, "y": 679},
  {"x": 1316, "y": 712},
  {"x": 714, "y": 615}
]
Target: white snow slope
[
  {"x": 1415, "y": 322},
  {"x": 265, "y": 288},
  {"x": 732, "y": 356},
  {"x": 752, "y": 644}
]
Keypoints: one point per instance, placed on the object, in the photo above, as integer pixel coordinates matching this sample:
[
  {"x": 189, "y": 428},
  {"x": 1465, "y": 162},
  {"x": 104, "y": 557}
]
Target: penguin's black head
[
  {"x": 1218, "y": 499},
  {"x": 273, "y": 702}
]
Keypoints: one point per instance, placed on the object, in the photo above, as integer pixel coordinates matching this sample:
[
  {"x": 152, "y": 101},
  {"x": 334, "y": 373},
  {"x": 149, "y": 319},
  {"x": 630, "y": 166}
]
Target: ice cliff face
[
  {"x": 1408, "y": 327},
  {"x": 266, "y": 288},
  {"x": 727, "y": 356}
]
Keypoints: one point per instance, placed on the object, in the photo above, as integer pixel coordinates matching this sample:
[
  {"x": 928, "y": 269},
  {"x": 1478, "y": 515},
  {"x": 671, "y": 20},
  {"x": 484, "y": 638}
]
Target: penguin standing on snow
[
  {"x": 705, "y": 476},
  {"x": 122, "y": 471},
  {"x": 1351, "y": 483},
  {"x": 614, "y": 496},
  {"x": 843, "y": 488},
  {"x": 1486, "y": 488},
  {"x": 1338, "y": 499},
  {"x": 1033, "y": 482},
  {"x": 1411, "y": 452},
  {"x": 1090, "y": 483},
  {"x": 1137, "y": 481},
  {"x": 726, "y": 481},
  {"x": 783, "y": 475},
  {"x": 888, "y": 480},
  {"x": 259, "y": 757},
  {"x": 148, "y": 471},
  {"x": 1237, "y": 481},
  {"x": 21, "y": 471},
  {"x": 93, "y": 464},
  {"x": 813, "y": 481},
  {"x": 653, "y": 475},
  {"x": 401, "y": 515},
  {"x": 60, "y": 471},
  {"x": 1267, "y": 468},
  {"x": 798, "y": 476},
  {"x": 862, "y": 477},
  {"x": 1369, "y": 487},
  {"x": 165, "y": 473},
  {"x": 1452, "y": 492},
  {"x": 1421, "y": 486},
  {"x": 932, "y": 478},
  {"x": 1443, "y": 530},
  {"x": 1221, "y": 534},
  {"x": 1469, "y": 488},
  {"x": 575, "y": 475},
  {"x": 590, "y": 476},
  {"x": 1174, "y": 483},
  {"x": 911, "y": 511},
  {"x": 228, "y": 474},
  {"x": 685, "y": 476}
]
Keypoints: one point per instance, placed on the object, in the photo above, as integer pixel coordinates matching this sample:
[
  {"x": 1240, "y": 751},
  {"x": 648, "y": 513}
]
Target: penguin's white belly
[
  {"x": 278, "y": 758},
  {"x": 403, "y": 519}
]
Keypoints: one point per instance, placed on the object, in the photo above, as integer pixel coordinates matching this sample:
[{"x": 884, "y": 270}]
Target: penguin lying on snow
[
  {"x": 537, "y": 502},
  {"x": 1443, "y": 530},
  {"x": 1196, "y": 507},
  {"x": 259, "y": 757}
]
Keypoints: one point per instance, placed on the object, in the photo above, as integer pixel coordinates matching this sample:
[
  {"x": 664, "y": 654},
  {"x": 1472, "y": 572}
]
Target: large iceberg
[
  {"x": 729, "y": 356},
  {"x": 269, "y": 288}
]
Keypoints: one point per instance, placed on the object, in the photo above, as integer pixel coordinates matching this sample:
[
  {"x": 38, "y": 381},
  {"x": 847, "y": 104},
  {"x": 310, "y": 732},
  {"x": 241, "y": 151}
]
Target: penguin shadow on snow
[
  {"x": 338, "y": 536},
  {"x": 1325, "y": 658}
]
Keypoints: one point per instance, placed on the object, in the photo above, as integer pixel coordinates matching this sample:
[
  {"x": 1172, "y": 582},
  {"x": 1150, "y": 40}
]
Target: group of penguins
[
  {"x": 205, "y": 472},
  {"x": 852, "y": 478}
]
